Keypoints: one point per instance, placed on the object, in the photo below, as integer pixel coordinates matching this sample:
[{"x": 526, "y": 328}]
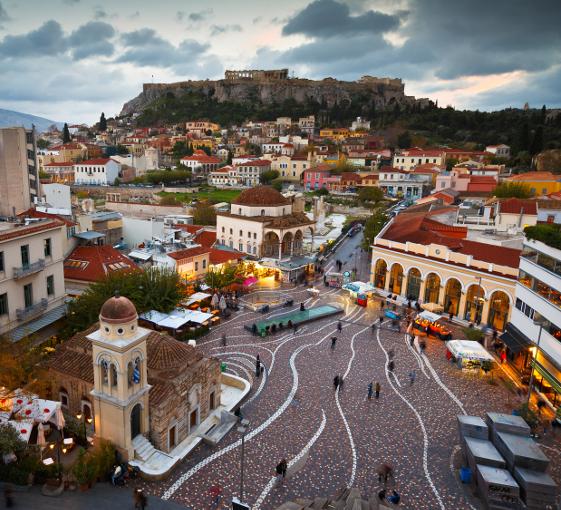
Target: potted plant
[{"x": 80, "y": 470}]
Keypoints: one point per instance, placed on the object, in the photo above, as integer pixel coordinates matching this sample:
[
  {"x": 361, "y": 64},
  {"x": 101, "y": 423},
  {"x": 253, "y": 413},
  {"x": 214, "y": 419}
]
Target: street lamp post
[
  {"x": 540, "y": 324},
  {"x": 242, "y": 429}
]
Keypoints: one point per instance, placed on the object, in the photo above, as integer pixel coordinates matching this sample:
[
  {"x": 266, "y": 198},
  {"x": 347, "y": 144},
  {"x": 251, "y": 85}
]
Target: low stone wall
[{"x": 148, "y": 210}]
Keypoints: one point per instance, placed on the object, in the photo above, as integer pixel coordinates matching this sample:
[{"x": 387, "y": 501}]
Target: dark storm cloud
[
  {"x": 92, "y": 39},
  {"x": 328, "y": 18},
  {"x": 446, "y": 40},
  {"x": 481, "y": 37},
  {"x": 200, "y": 15},
  {"x": 145, "y": 47},
  {"x": 47, "y": 40},
  {"x": 222, "y": 29}
]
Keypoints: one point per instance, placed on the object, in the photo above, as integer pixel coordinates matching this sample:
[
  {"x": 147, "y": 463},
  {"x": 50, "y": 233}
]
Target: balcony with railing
[
  {"x": 34, "y": 267},
  {"x": 31, "y": 311}
]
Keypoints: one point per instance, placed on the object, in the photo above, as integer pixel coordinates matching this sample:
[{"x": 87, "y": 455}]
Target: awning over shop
[
  {"x": 514, "y": 339},
  {"x": 36, "y": 325},
  {"x": 429, "y": 316},
  {"x": 468, "y": 349},
  {"x": 547, "y": 375},
  {"x": 140, "y": 255},
  {"x": 196, "y": 297}
]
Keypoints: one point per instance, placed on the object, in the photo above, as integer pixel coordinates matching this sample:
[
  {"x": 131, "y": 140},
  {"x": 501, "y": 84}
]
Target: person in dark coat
[
  {"x": 370, "y": 390},
  {"x": 377, "y": 390},
  {"x": 333, "y": 342},
  {"x": 336, "y": 382}
]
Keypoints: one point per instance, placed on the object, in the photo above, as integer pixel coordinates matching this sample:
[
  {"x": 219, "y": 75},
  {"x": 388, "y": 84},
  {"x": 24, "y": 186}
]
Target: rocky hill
[{"x": 290, "y": 96}]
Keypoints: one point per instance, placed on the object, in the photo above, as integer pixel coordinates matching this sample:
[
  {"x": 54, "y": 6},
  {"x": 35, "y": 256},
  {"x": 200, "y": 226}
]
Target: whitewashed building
[{"x": 100, "y": 171}]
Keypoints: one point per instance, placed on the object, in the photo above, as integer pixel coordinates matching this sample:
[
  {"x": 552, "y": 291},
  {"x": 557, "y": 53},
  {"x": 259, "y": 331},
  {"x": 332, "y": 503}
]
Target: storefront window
[
  {"x": 544, "y": 290},
  {"x": 543, "y": 260}
]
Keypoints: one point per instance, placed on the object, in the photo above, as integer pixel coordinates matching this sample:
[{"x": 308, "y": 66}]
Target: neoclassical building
[
  {"x": 136, "y": 384},
  {"x": 418, "y": 258},
  {"x": 262, "y": 222}
]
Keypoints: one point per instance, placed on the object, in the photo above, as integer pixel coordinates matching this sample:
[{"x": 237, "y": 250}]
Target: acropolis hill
[{"x": 276, "y": 86}]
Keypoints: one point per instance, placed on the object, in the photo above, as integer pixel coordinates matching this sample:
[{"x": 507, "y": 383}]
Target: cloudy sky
[{"x": 68, "y": 60}]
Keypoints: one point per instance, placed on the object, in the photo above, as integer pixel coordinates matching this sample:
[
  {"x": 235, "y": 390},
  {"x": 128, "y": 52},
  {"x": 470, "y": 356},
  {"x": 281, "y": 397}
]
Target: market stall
[
  {"x": 468, "y": 353},
  {"x": 428, "y": 323},
  {"x": 334, "y": 279}
]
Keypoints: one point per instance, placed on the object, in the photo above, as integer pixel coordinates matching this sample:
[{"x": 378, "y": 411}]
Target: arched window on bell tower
[
  {"x": 104, "y": 372},
  {"x": 114, "y": 377}
]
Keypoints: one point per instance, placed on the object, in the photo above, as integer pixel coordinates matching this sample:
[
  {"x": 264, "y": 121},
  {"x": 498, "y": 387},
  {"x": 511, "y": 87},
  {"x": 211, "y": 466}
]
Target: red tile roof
[
  {"x": 516, "y": 206},
  {"x": 33, "y": 213},
  {"x": 34, "y": 228},
  {"x": 188, "y": 253},
  {"x": 417, "y": 228},
  {"x": 256, "y": 162},
  {"x": 93, "y": 263},
  {"x": 535, "y": 176},
  {"x": 202, "y": 158},
  {"x": 95, "y": 161},
  {"x": 218, "y": 256}
]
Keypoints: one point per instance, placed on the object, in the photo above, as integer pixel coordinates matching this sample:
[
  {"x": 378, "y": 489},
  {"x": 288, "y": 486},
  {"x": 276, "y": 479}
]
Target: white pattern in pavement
[
  {"x": 304, "y": 451},
  {"x": 423, "y": 429},
  {"x": 345, "y": 422},
  {"x": 183, "y": 478}
]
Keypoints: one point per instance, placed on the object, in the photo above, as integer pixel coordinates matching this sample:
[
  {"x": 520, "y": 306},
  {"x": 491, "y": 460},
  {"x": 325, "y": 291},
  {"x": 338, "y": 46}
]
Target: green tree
[
  {"x": 524, "y": 137},
  {"x": 42, "y": 143},
  {"x": 229, "y": 158},
  {"x": 373, "y": 226},
  {"x": 218, "y": 279},
  {"x": 181, "y": 149},
  {"x": 10, "y": 440},
  {"x": 204, "y": 213},
  {"x": 404, "y": 140},
  {"x": 537, "y": 141},
  {"x": 277, "y": 184},
  {"x": 451, "y": 163},
  {"x": 322, "y": 192},
  {"x": 153, "y": 289},
  {"x": 370, "y": 194},
  {"x": 102, "y": 123},
  {"x": 268, "y": 176},
  {"x": 66, "y": 134},
  {"x": 512, "y": 190}
]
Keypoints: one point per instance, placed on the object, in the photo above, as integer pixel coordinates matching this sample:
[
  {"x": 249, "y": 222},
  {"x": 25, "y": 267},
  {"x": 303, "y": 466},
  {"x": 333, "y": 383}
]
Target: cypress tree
[
  {"x": 102, "y": 122},
  {"x": 65, "y": 134}
]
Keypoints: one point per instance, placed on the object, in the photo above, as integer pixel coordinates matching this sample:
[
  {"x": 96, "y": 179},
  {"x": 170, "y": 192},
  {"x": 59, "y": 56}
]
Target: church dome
[
  {"x": 167, "y": 356},
  {"x": 260, "y": 196},
  {"x": 118, "y": 309}
]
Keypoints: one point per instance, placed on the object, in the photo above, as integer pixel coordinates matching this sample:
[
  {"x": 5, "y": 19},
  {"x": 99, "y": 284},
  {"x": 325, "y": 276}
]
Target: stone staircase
[{"x": 145, "y": 452}]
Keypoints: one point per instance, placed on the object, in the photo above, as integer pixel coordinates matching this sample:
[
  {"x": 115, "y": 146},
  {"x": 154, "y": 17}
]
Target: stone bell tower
[{"x": 121, "y": 385}]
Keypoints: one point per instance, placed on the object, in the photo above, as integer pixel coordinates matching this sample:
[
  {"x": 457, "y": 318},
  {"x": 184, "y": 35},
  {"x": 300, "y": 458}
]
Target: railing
[
  {"x": 25, "y": 313},
  {"x": 35, "y": 267}
]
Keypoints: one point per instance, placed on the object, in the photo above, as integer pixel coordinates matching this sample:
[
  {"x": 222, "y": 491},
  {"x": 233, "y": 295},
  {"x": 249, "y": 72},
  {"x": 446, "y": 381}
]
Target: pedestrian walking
[
  {"x": 370, "y": 390},
  {"x": 333, "y": 342},
  {"x": 336, "y": 382},
  {"x": 339, "y": 326},
  {"x": 140, "y": 501},
  {"x": 373, "y": 327},
  {"x": 385, "y": 471},
  {"x": 503, "y": 356},
  {"x": 422, "y": 346},
  {"x": 380, "y": 320},
  {"x": 224, "y": 340},
  {"x": 302, "y": 307},
  {"x": 377, "y": 390},
  {"x": 391, "y": 366},
  {"x": 257, "y": 367},
  {"x": 412, "y": 376},
  {"x": 391, "y": 353},
  {"x": 411, "y": 339},
  {"x": 215, "y": 492},
  {"x": 281, "y": 468},
  {"x": 341, "y": 381}
]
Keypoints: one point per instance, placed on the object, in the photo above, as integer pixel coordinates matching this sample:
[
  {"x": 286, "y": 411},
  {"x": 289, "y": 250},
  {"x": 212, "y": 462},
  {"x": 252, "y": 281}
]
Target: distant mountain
[{"x": 9, "y": 118}]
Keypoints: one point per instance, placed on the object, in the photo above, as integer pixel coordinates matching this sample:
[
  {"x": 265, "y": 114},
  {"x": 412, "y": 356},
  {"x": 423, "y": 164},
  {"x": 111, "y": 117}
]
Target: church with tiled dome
[
  {"x": 264, "y": 224},
  {"x": 143, "y": 390}
]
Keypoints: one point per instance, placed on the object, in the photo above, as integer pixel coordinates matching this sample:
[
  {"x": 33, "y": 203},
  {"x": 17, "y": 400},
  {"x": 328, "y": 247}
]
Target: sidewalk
[{"x": 101, "y": 496}]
